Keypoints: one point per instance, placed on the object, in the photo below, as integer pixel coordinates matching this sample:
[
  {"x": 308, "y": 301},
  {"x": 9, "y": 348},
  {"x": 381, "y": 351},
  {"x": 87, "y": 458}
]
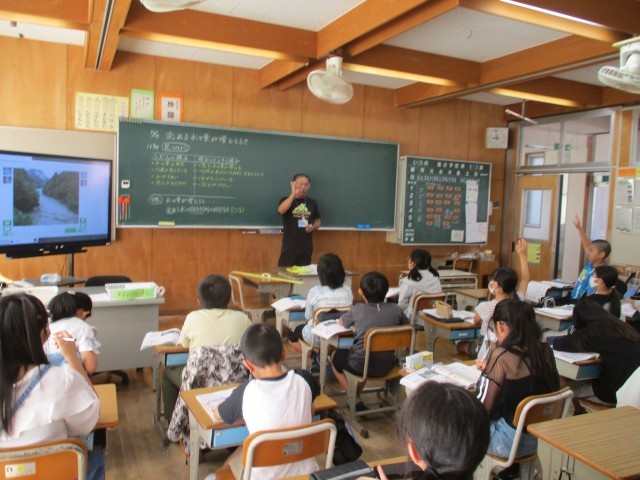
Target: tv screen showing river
[{"x": 47, "y": 200}]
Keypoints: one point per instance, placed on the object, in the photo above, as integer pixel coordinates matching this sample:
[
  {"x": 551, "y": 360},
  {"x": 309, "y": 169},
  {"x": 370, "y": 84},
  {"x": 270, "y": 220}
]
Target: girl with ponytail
[{"x": 422, "y": 278}]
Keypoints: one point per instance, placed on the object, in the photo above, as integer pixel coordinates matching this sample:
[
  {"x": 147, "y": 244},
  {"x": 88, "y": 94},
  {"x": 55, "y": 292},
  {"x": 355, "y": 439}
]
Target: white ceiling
[{"x": 460, "y": 33}]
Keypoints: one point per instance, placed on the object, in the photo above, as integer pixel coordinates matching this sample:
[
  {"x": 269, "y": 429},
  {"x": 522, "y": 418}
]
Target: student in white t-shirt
[
  {"x": 272, "y": 399},
  {"x": 502, "y": 285},
  {"x": 69, "y": 311}
]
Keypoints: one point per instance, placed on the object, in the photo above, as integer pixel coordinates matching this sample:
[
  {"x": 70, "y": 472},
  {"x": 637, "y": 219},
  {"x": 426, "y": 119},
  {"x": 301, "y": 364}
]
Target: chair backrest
[
  {"x": 537, "y": 409},
  {"x": 277, "y": 447},
  {"x": 422, "y": 301},
  {"x": 385, "y": 339},
  {"x": 67, "y": 458},
  {"x": 102, "y": 280},
  {"x": 629, "y": 393},
  {"x": 465, "y": 264},
  {"x": 237, "y": 298},
  {"x": 321, "y": 314}
]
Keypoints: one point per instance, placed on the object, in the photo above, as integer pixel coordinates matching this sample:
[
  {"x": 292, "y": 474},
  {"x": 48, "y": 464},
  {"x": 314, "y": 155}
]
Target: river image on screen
[{"x": 45, "y": 199}]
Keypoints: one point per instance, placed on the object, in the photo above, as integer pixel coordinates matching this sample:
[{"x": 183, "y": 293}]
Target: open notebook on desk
[
  {"x": 460, "y": 374},
  {"x": 457, "y": 316}
]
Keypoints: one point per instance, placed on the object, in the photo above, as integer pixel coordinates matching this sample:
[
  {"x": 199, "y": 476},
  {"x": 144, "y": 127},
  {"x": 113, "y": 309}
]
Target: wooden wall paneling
[
  {"x": 206, "y": 89},
  {"x": 485, "y": 115},
  {"x": 342, "y": 243},
  {"x": 129, "y": 255},
  {"x": 182, "y": 257},
  {"x": 444, "y": 130},
  {"x": 33, "y": 83},
  {"x": 383, "y": 121},
  {"x": 322, "y": 118},
  {"x": 19, "y": 268},
  {"x": 128, "y": 71},
  {"x": 625, "y": 139},
  {"x": 495, "y": 220},
  {"x": 265, "y": 108},
  {"x": 253, "y": 252}
]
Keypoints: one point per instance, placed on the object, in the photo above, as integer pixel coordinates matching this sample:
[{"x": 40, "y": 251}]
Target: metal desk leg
[
  {"x": 194, "y": 447},
  {"x": 324, "y": 348},
  {"x": 157, "y": 384},
  {"x": 430, "y": 333}
]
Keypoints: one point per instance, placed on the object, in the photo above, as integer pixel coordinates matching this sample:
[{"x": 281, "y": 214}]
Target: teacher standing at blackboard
[{"x": 300, "y": 218}]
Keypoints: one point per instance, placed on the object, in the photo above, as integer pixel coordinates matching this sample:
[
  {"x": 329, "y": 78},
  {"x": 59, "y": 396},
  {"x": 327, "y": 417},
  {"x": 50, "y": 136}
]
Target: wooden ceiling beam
[
  {"x": 361, "y": 20},
  {"x": 544, "y": 60},
  {"x": 207, "y": 30},
  {"x": 399, "y": 25},
  {"x": 72, "y": 14},
  {"x": 101, "y": 41},
  {"x": 620, "y": 15},
  {"x": 275, "y": 71},
  {"x": 556, "y": 91},
  {"x": 300, "y": 76},
  {"x": 408, "y": 64},
  {"x": 515, "y": 12}
]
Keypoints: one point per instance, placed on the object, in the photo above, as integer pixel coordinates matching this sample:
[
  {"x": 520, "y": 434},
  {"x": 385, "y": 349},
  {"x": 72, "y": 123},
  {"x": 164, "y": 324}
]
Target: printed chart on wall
[
  {"x": 444, "y": 201},
  {"x": 627, "y": 200}
]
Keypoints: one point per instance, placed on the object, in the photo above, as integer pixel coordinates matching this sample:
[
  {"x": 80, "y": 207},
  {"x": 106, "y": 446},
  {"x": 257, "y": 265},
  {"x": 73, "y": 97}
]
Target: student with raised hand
[
  {"x": 503, "y": 284},
  {"x": 445, "y": 430},
  {"x": 422, "y": 278},
  {"x": 272, "y": 399},
  {"x": 330, "y": 293},
  {"x": 597, "y": 253},
  {"x": 68, "y": 313},
  {"x": 520, "y": 366},
  {"x": 363, "y": 317},
  {"x": 39, "y": 402},
  {"x": 596, "y": 330}
]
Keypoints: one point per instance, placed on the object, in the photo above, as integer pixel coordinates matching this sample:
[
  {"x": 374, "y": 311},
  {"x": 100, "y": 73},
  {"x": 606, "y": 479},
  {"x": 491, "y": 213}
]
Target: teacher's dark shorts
[{"x": 293, "y": 256}]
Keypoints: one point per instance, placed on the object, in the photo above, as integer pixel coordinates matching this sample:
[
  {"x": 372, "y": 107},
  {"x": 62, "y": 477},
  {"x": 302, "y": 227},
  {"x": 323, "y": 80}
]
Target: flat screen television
[{"x": 53, "y": 204}]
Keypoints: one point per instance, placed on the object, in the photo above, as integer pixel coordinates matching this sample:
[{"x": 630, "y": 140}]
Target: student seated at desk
[
  {"x": 597, "y": 253},
  {"x": 330, "y": 293},
  {"x": 214, "y": 324},
  {"x": 422, "y": 278},
  {"x": 603, "y": 280},
  {"x": 272, "y": 399},
  {"x": 40, "y": 402},
  {"x": 364, "y": 316},
  {"x": 519, "y": 367},
  {"x": 596, "y": 330},
  {"x": 502, "y": 285},
  {"x": 69, "y": 311},
  {"x": 445, "y": 430}
]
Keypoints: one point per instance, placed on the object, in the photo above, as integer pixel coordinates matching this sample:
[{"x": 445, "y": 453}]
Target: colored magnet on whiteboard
[{"x": 364, "y": 226}]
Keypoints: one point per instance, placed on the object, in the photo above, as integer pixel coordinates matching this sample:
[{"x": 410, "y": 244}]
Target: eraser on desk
[
  {"x": 167, "y": 224},
  {"x": 364, "y": 226}
]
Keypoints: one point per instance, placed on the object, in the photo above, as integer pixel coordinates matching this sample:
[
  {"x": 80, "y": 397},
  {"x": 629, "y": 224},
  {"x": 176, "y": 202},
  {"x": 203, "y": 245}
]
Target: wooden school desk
[
  {"x": 456, "y": 279},
  {"x": 470, "y": 297},
  {"x": 341, "y": 340},
  {"x": 166, "y": 356},
  {"x": 218, "y": 434},
  {"x": 435, "y": 329},
  {"x": 267, "y": 284},
  {"x": 553, "y": 322},
  {"x": 375, "y": 463},
  {"x": 595, "y": 446},
  {"x": 584, "y": 370},
  {"x": 310, "y": 280},
  {"x": 108, "y": 417}
]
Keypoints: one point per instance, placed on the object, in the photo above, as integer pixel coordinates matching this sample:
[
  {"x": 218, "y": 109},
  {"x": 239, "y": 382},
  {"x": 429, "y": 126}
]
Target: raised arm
[
  {"x": 583, "y": 235},
  {"x": 286, "y": 203},
  {"x": 525, "y": 276}
]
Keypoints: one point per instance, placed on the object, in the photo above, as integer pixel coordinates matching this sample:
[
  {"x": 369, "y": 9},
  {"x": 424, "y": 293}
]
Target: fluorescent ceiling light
[{"x": 551, "y": 12}]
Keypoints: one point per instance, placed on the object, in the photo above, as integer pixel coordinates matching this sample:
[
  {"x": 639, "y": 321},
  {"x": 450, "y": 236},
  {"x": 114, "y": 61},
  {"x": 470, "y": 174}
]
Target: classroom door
[{"x": 537, "y": 218}]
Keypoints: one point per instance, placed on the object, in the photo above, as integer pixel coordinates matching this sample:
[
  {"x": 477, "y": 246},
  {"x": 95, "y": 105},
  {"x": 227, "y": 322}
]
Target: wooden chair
[
  {"x": 64, "y": 459},
  {"x": 534, "y": 409},
  {"x": 255, "y": 309},
  {"x": 308, "y": 347},
  {"x": 419, "y": 302},
  {"x": 464, "y": 264},
  {"x": 278, "y": 447},
  {"x": 379, "y": 339}
]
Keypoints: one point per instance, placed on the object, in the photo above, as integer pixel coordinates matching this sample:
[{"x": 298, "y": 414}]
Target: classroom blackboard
[
  {"x": 442, "y": 201},
  {"x": 204, "y": 176}
]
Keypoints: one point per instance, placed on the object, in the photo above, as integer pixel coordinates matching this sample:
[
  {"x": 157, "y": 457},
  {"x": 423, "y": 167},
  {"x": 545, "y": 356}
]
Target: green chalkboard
[
  {"x": 443, "y": 202},
  {"x": 205, "y": 176}
]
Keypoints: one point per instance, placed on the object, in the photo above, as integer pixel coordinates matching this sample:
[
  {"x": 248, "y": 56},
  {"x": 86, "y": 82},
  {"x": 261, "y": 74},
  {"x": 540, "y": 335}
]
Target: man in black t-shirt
[{"x": 300, "y": 217}]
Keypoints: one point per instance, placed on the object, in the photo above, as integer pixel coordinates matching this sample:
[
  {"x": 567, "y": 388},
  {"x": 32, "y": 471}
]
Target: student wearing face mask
[
  {"x": 603, "y": 281},
  {"x": 502, "y": 285}
]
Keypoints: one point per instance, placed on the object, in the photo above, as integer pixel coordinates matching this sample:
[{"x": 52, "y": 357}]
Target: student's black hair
[
  {"x": 62, "y": 306},
  {"x": 261, "y": 345},
  {"x": 506, "y": 278},
  {"x": 214, "y": 291},
  {"x": 83, "y": 301},
  {"x": 609, "y": 276},
  {"x": 298, "y": 175},
  {"x": 449, "y": 428},
  {"x": 22, "y": 320},
  {"x": 602, "y": 246},
  {"x": 374, "y": 286},
  {"x": 422, "y": 260},
  {"x": 524, "y": 339},
  {"x": 330, "y": 271},
  {"x": 595, "y": 327}
]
